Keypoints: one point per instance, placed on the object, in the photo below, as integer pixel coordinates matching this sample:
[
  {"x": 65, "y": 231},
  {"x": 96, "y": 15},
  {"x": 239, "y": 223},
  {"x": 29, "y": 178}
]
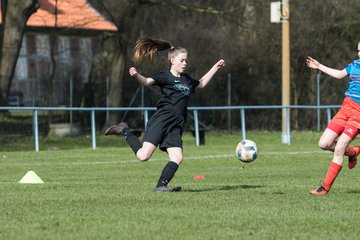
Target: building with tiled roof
[
  {"x": 77, "y": 40},
  {"x": 71, "y": 14}
]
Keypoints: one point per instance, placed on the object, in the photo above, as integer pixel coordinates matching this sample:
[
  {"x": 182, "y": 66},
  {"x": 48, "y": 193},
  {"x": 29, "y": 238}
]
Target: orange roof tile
[{"x": 75, "y": 14}]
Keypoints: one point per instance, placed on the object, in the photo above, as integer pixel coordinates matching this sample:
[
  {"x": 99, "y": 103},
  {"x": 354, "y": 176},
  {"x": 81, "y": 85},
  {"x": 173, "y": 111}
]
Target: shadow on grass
[
  {"x": 224, "y": 188},
  {"x": 357, "y": 191}
]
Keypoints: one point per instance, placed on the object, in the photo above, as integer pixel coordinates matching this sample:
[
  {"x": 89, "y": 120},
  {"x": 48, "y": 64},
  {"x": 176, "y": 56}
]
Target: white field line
[{"x": 134, "y": 160}]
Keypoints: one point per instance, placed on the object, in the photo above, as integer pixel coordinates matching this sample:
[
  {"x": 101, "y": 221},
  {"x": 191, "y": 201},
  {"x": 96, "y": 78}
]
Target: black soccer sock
[
  {"x": 132, "y": 140},
  {"x": 167, "y": 173}
]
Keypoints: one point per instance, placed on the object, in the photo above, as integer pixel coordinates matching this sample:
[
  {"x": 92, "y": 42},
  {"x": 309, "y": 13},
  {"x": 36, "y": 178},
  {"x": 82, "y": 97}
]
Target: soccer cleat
[
  {"x": 116, "y": 129},
  {"x": 167, "y": 189},
  {"x": 353, "y": 160},
  {"x": 319, "y": 191}
]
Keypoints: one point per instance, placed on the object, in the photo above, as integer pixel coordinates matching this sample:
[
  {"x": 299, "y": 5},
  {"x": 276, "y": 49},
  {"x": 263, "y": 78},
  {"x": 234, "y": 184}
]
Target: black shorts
[{"x": 165, "y": 129}]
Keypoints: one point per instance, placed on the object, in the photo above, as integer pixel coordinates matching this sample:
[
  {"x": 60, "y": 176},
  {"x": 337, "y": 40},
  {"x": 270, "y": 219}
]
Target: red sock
[
  {"x": 349, "y": 151},
  {"x": 332, "y": 173}
]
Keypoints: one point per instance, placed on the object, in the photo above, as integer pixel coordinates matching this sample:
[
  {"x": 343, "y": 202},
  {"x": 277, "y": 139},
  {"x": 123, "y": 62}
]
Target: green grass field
[{"x": 107, "y": 194}]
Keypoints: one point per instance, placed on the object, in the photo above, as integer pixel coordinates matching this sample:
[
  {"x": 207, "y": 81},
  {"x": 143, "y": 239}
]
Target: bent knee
[
  {"x": 143, "y": 156},
  {"x": 325, "y": 145}
]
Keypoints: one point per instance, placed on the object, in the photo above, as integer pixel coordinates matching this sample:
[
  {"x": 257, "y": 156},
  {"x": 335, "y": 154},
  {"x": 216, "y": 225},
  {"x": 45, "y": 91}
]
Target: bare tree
[{"x": 15, "y": 14}]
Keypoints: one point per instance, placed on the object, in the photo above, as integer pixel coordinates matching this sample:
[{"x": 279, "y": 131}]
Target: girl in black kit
[{"x": 165, "y": 127}]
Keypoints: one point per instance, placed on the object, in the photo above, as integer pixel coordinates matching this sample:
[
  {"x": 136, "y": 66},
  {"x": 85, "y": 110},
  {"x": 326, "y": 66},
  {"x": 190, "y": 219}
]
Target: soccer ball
[{"x": 247, "y": 151}]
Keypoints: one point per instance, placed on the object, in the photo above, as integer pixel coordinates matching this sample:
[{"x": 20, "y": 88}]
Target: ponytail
[{"x": 146, "y": 47}]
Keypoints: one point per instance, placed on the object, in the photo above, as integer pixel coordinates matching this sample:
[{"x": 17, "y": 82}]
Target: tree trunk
[
  {"x": 124, "y": 18},
  {"x": 116, "y": 74},
  {"x": 15, "y": 14}
]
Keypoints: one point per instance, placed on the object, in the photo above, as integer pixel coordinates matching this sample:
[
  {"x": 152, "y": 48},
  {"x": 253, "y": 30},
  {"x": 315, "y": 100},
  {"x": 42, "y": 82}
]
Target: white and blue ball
[{"x": 247, "y": 151}]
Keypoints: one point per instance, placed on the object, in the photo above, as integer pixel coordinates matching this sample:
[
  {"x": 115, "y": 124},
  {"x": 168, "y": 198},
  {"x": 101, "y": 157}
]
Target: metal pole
[
  {"x": 107, "y": 100},
  {"x": 36, "y": 130},
  {"x": 288, "y": 125},
  {"x": 318, "y": 100},
  {"x": 229, "y": 100},
  {"x": 328, "y": 111},
  {"x": 146, "y": 118},
  {"x": 71, "y": 104},
  {"x": 285, "y": 67},
  {"x": 243, "y": 128},
  {"x": 93, "y": 130},
  {"x": 196, "y": 126},
  {"x": 142, "y": 105}
]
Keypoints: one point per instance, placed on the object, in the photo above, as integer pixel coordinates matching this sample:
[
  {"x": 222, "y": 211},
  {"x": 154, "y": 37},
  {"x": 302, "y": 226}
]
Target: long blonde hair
[{"x": 147, "y": 47}]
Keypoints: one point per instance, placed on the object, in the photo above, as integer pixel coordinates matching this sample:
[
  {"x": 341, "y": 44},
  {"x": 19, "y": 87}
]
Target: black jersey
[{"x": 175, "y": 91}]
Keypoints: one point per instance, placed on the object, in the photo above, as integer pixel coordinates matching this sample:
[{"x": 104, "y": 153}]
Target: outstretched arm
[
  {"x": 208, "y": 76},
  {"x": 145, "y": 81},
  {"x": 312, "y": 63}
]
